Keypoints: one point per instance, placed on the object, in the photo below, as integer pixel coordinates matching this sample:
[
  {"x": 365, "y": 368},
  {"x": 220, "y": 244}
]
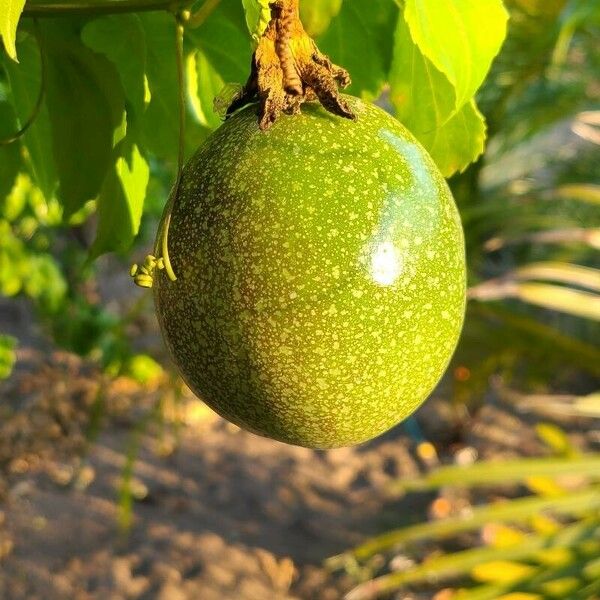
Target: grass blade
[
  {"x": 461, "y": 563},
  {"x": 578, "y": 275},
  {"x": 514, "y": 511},
  {"x": 511, "y": 471}
]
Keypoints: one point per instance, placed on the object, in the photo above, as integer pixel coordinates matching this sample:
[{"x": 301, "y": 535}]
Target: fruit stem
[{"x": 288, "y": 69}]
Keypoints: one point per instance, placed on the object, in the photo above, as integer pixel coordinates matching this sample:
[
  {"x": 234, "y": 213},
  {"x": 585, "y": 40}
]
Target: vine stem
[
  {"x": 181, "y": 18},
  {"x": 99, "y": 7},
  {"x": 143, "y": 276},
  {"x": 43, "y": 8},
  {"x": 181, "y": 95}
]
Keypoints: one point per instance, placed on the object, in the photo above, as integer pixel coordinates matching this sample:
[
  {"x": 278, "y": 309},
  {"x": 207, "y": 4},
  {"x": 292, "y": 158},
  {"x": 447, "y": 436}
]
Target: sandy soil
[{"x": 220, "y": 513}]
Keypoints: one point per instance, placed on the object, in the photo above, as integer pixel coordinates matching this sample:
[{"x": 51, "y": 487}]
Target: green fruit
[{"x": 320, "y": 275}]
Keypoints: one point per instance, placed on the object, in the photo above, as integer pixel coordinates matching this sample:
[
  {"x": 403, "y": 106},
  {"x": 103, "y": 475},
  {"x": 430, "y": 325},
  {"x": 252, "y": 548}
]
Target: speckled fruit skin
[{"x": 321, "y": 275}]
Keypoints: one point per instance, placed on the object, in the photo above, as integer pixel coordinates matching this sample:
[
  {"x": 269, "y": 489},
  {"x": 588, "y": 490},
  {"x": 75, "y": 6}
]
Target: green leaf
[
  {"x": 576, "y": 15},
  {"x": 13, "y": 204},
  {"x": 45, "y": 283},
  {"x": 224, "y": 41},
  {"x": 223, "y": 55},
  {"x": 121, "y": 39},
  {"x": 13, "y": 262},
  {"x": 10, "y": 12},
  {"x": 316, "y": 15},
  {"x": 7, "y": 355},
  {"x": 258, "y": 15},
  {"x": 86, "y": 103},
  {"x": 424, "y": 100},
  {"x": 517, "y": 511},
  {"x": 458, "y": 142},
  {"x": 206, "y": 82},
  {"x": 514, "y": 511},
  {"x": 143, "y": 368},
  {"x": 459, "y": 37},
  {"x": 360, "y": 38},
  {"x": 160, "y": 122},
  {"x": 10, "y": 157},
  {"x": 25, "y": 83},
  {"x": 120, "y": 204}
]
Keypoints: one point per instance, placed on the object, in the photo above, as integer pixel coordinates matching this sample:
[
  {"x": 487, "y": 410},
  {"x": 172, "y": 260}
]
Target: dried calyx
[{"x": 288, "y": 69}]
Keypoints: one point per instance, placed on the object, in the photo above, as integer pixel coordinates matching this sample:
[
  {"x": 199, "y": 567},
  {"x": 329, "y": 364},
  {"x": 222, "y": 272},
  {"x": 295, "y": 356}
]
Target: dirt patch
[
  {"x": 216, "y": 513},
  {"x": 224, "y": 515}
]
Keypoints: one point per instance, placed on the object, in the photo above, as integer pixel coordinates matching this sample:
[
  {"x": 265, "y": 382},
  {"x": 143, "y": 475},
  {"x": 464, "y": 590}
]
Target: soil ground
[{"x": 217, "y": 513}]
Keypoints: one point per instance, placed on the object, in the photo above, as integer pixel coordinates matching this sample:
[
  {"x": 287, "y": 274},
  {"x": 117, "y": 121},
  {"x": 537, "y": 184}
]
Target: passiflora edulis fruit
[{"x": 320, "y": 268}]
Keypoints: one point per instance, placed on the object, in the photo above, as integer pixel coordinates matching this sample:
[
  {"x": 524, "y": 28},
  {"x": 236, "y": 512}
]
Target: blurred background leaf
[{"x": 7, "y": 355}]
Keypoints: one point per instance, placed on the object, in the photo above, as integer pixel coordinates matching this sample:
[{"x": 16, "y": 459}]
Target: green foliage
[
  {"x": 532, "y": 200},
  {"x": 316, "y": 15},
  {"x": 7, "y": 355},
  {"x": 126, "y": 50},
  {"x": 120, "y": 204},
  {"x": 460, "y": 38},
  {"x": 442, "y": 54},
  {"x": 25, "y": 83},
  {"x": 143, "y": 368},
  {"x": 361, "y": 39},
  {"x": 216, "y": 63},
  {"x": 160, "y": 118},
  {"x": 10, "y": 157},
  {"x": 37, "y": 262},
  {"x": 110, "y": 84},
  {"x": 523, "y": 283},
  {"x": 258, "y": 15},
  {"x": 85, "y": 103},
  {"x": 425, "y": 102},
  {"x": 27, "y": 268}
]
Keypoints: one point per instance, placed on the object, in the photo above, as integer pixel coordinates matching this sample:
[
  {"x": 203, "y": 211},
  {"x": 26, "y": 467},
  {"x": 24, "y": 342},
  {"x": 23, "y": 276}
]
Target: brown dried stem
[{"x": 288, "y": 69}]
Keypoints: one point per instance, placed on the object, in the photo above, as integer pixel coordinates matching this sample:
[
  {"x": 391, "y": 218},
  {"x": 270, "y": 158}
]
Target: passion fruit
[{"x": 320, "y": 268}]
